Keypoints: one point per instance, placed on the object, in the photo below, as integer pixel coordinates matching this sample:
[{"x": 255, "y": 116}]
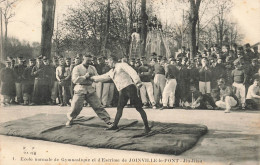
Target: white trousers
[
  {"x": 147, "y": 87},
  {"x": 228, "y": 103},
  {"x": 240, "y": 92},
  {"x": 169, "y": 92},
  {"x": 204, "y": 87}
]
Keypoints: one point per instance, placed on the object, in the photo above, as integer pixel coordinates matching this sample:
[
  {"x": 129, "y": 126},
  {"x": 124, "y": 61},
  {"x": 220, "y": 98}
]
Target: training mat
[{"x": 165, "y": 138}]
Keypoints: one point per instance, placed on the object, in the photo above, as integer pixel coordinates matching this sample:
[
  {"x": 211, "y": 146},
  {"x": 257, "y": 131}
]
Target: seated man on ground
[
  {"x": 197, "y": 100},
  {"x": 227, "y": 98},
  {"x": 253, "y": 96}
]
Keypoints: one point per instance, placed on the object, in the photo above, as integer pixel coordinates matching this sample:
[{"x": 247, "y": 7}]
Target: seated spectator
[
  {"x": 253, "y": 95},
  {"x": 227, "y": 97},
  {"x": 197, "y": 100}
]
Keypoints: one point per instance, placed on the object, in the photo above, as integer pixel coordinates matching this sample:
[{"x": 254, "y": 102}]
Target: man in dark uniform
[
  {"x": 183, "y": 79},
  {"x": 40, "y": 82},
  {"x": 28, "y": 82},
  {"x": 19, "y": 69},
  {"x": 7, "y": 89},
  {"x": 55, "y": 84}
]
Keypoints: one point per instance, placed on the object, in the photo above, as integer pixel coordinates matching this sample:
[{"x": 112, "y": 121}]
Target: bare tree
[
  {"x": 144, "y": 18},
  {"x": 48, "y": 15},
  {"x": 193, "y": 19},
  {"x": 8, "y": 13}
]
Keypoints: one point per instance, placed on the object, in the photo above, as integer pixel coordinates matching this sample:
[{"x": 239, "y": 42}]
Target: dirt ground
[{"x": 232, "y": 139}]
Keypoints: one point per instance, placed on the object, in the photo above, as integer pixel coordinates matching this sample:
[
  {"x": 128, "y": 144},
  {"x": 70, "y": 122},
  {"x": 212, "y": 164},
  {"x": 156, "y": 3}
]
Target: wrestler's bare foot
[{"x": 113, "y": 127}]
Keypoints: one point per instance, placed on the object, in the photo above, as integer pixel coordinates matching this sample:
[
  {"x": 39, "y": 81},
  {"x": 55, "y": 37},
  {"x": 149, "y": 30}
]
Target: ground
[{"x": 232, "y": 139}]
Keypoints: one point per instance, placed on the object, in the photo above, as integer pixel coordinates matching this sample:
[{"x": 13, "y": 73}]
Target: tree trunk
[
  {"x": 193, "y": 18},
  {"x": 104, "y": 44},
  {"x": 48, "y": 15},
  {"x": 143, "y": 35}
]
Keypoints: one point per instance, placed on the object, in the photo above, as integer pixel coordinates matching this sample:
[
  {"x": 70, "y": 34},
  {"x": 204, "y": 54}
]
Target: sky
[{"x": 26, "y": 25}]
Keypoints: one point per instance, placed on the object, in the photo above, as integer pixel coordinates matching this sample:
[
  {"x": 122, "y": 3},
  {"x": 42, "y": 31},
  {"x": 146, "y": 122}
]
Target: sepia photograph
[{"x": 129, "y": 82}]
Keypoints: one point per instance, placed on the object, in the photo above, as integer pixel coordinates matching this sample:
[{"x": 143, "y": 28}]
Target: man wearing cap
[
  {"x": 205, "y": 76},
  {"x": 55, "y": 84},
  {"x": 40, "y": 93},
  {"x": 227, "y": 98},
  {"x": 19, "y": 69},
  {"x": 28, "y": 82},
  {"x": 7, "y": 88},
  {"x": 239, "y": 78},
  {"x": 126, "y": 81},
  {"x": 145, "y": 74},
  {"x": 171, "y": 74},
  {"x": 183, "y": 79},
  {"x": 84, "y": 90},
  {"x": 63, "y": 76},
  {"x": 159, "y": 80}
]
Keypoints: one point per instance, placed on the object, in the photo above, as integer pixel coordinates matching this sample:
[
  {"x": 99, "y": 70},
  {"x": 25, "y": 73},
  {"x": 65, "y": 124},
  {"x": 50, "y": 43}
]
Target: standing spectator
[
  {"x": 171, "y": 74},
  {"x": 55, "y": 85},
  {"x": 63, "y": 77},
  {"x": 41, "y": 81},
  {"x": 7, "y": 78},
  {"x": 183, "y": 80},
  {"x": 257, "y": 55},
  {"x": 19, "y": 69},
  {"x": 219, "y": 71},
  {"x": 108, "y": 87},
  {"x": 145, "y": 74},
  {"x": 205, "y": 76},
  {"x": 239, "y": 80},
  {"x": 159, "y": 80},
  {"x": 252, "y": 70},
  {"x": 227, "y": 97},
  {"x": 193, "y": 74},
  {"x": 72, "y": 85},
  {"x": 28, "y": 83}
]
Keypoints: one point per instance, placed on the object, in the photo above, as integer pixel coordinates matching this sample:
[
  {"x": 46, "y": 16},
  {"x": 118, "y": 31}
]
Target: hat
[
  {"x": 68, "y": 58},
  {"x": 143, "y": 58},
  {"x": 20, "y": 57},
  {"x": 31, "y": 59}
]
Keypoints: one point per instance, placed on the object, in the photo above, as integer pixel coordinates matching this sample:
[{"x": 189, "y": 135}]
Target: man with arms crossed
[{"x": 126, "y": 80}]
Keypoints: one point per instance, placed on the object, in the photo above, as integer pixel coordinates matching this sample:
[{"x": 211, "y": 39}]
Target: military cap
[
  {"x": 247, "y": 45},
  {"x": 68, "y": 58},
  {"x": 31, "y": 59},
  {"x": 20, "y": 57},
  {"x": 39, "y": 58}
]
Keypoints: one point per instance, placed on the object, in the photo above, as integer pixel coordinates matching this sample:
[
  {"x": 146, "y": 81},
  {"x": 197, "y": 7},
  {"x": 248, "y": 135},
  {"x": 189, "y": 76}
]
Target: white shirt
[
  {"x": 123, "y": 75},
  {"x": 83, "y": 84},
  {"x": 253, "y": 92}
]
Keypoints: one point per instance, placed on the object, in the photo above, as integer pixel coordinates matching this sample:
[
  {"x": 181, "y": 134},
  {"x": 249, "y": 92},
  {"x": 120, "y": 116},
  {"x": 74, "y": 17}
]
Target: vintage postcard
[{"x": 153, "y": 82}]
